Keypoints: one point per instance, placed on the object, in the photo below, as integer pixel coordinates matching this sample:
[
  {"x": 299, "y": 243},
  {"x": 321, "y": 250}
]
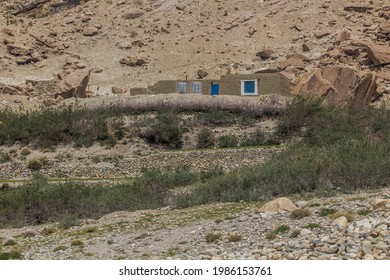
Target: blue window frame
[{"x": 249, "y": 87}]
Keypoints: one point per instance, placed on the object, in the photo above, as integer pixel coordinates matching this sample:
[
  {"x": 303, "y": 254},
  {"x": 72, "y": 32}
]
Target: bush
[
  {"x": 25, "y": 152},
  {"x": 34, "y": 164},
  {"x": 205, "y": 139},
  {"x": 257, "y": 138},
  {"x": 300, "y": 213},
  {"x": 295, "y": 115},
  {"x": 227, "y": 141},
  {"x": 213, "y": 236},
  {"x": 167, "y": 130},
  {"x": 13, "y": 255},
  {"x": 4, "y": 157},
  {"x": 234, "y": 237}
]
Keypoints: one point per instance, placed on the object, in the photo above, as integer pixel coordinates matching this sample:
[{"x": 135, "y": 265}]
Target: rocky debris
[
  {"x": 307, "y": 47},
  {"x": 295, "y": 62},
  {"x": 201, "y": 74},
  {"x": 356, "y": 7},
  {"x": 74, "y": 85},
  {"x": 183, "y": 4},
  {"x": 132, "y": 13},
  {"x": 321, "y": 34},
  {"x": 90, "y": 31},
  {"x": 265, "y": 54},
  {"x": 31, "y": 232},
  {"x": 133, "y": 61},
  {"x": 341, "y": 223},
  {"x": 279, "y": 205},
  {"x": 118, "y": 90},
  {"x": 237, "y": 19},
  {"x": 381, "y": 203},
  {"x": 181, "y": 234},
  {"x": 341, "y": 86},
  {"x": 11, "y": 90},
  {"x": 378, "y": 54},
  {"x": 9, "y": 241}
]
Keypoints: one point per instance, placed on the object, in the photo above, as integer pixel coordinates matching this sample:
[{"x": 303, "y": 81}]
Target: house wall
[
  {"x": 268, "y": 83},
  {"x": 171, "y": 86}
]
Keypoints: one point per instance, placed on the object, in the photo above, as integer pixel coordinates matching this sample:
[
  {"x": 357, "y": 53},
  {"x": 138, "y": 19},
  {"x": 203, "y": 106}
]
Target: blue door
[{"x": 214, "y": 89}]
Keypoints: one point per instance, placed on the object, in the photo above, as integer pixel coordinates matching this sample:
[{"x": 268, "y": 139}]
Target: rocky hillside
[
  {"x": 115, "y": 45},
  {"x": 352, "y": 226}
]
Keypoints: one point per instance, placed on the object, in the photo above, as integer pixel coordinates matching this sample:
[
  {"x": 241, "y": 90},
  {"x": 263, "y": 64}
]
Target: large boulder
[
  {"x": 281, "y": 204},
  {"x": 378, "y": 54},
  {"x": 340, "y": 86},
  {"x": 74, "y": 85}
]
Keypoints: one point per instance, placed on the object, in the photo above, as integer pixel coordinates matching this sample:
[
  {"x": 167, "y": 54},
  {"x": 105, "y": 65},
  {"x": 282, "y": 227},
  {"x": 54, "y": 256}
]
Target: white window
[
  {"x": 196, "y": 87},
  {"x": 182, "y": 87},
  {"x": 249, "y": 87}
]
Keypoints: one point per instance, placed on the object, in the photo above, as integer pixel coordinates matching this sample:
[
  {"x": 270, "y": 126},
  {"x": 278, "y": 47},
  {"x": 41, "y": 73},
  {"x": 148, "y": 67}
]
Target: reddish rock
[
  {"x": 378, "y": 54},
  {"x": 73, "y": 85},
  {"x": 132, "y": 13},
  {"x": 293, "y": 62},
  {"x": 341, "y": 86}
]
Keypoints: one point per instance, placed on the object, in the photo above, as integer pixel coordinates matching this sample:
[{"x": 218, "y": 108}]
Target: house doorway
[{"x": 214, "y": 89}]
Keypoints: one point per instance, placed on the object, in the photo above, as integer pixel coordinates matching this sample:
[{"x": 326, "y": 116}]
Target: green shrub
[
  {"x": 25, "y": 152},
  {"x": 257, "y": 138},
  {"x": 294, "y": 117},
  {"x": 77, "y": 242},
  {"x": 34, "y": 164},
  {"x": 312, "y": 226},
  {"x": 4, "y": 157},
  {"x": 227, "y": 141},
  {"x": 295, "y": 233},
  {"x": 300, "y": 213},
  {"x": 282, "y": 229},
  {"x": 167, "y": 130},
  {"x": 213, "y": 236},
  {"x": 234, "y": 237},
  {"x": 327, "y": 211},
  {"x": 13, "y": 255},
  {"x": 205, "y": 139},
  {"x": 364, "y": 212}
]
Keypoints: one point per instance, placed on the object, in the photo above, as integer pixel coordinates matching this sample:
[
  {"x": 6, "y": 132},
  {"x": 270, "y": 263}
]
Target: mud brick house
[{"x": 245, "y": 85}]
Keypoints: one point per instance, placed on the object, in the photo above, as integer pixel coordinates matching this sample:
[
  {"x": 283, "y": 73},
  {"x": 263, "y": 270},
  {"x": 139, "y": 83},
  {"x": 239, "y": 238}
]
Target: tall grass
[
  {"x": 40, "y": 202},
  {"x": 334, "y": 151}
]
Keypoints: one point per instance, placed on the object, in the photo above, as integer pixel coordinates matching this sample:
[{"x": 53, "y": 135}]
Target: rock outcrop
[
  {"x": 279, "y": 205},
  {"x": 74, "y": 85},
  {"x": 338, "y": 85}
]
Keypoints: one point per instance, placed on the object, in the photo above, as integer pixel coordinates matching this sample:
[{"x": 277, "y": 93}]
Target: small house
[{"x": 244, "y": 85}]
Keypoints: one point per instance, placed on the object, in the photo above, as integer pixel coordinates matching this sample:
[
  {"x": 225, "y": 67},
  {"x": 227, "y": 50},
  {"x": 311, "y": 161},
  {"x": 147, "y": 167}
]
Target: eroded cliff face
[{"x": 179, "y": 39}]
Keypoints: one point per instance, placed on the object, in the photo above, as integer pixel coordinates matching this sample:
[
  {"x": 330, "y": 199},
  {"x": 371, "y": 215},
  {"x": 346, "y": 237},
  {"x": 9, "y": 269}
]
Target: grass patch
[
  {"x": 336, "y": 152},
  {"x": 77, "y": 243},
  {"x": 364, "y": 212},
  {"x": 300, "y": 213},
  {"x": 13, "y": 255},
  {"x": 282, "y": 229},
  {"x": 327, "y": 212},
  {"x": 312, "y": 226},
  {"x": 234, "y": 237},
  {"x": 60, "y": 248},
  {"x": 213, "y": 236}
]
